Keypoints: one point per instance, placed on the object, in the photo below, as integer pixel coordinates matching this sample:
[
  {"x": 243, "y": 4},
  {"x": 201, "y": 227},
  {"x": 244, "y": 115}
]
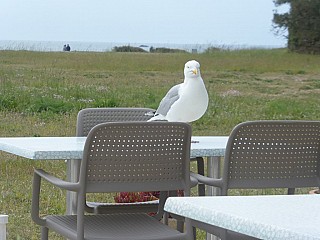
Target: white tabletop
[
  {"x": 294, "y": 217},
  {"x": 51, "y": 148}
]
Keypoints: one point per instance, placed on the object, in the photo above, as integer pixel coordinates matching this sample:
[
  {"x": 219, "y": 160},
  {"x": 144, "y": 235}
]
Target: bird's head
[{"x": 192, "y": 69}]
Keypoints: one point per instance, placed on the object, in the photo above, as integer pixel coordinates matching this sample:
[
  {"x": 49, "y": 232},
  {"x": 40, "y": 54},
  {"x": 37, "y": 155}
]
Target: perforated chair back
[
  {"x": 273, "y": 154},
  {"x": 90, "y": 117},
  {"x": 137, "y": 156}
]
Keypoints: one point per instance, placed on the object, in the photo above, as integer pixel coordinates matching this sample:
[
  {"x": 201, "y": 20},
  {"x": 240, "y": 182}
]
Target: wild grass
[{"x": 41, "y": 93}]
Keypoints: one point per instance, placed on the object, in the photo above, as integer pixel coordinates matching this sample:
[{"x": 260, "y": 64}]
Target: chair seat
[
  {"x": 145, "y": 207},
  {"x": 115, "y": 226}
]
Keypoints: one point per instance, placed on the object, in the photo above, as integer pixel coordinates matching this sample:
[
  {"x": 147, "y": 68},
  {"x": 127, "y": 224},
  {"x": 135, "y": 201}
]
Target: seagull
[{"x": 187, "y": 101}]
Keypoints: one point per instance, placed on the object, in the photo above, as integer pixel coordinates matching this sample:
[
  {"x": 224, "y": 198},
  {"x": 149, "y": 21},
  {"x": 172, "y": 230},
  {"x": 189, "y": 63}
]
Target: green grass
[{"x": 41, "y": 93}]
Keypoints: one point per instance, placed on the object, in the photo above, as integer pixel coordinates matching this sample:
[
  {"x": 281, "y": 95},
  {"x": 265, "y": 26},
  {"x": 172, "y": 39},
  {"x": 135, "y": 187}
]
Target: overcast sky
[{"x": 239, "y": 22}]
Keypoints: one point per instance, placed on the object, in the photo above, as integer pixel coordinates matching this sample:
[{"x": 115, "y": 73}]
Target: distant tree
[
  {"x": 127, "y": 49},
  {"x": 302, "y": 23},
  {"x": 167, "y": 50}
]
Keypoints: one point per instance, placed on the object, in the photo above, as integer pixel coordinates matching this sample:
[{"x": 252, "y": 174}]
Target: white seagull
[{"x": 187, "y": 101}]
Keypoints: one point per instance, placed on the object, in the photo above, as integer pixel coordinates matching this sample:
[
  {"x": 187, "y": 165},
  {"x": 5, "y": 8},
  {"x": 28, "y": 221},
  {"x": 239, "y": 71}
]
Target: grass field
[{"x": 41, "y": 93}]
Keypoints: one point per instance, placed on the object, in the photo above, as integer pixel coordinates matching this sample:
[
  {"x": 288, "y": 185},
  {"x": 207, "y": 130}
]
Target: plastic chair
[
  {"x": 90, "y": 117},
  {"x": 268, "y": 154},
  {"x": 132, "y": 156}
]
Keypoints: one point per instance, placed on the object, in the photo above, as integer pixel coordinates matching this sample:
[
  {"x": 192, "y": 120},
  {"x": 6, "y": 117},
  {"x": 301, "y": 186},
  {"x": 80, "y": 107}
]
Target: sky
[{"x": 216, "y": 22}]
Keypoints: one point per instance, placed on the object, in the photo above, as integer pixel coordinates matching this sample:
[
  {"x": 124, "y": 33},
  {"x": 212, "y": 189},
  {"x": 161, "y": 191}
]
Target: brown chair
[
  {"x": 90, "y": 117},
  {"x": 268, "y": 154},
  {"x": 131, "y": 156}
]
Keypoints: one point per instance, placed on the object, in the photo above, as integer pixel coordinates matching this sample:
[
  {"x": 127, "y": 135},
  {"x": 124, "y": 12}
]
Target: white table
[
  {"x": 278, "y": 217},
  {"x": 71, "y": 148},
  {"x": 67, "y": 148}
]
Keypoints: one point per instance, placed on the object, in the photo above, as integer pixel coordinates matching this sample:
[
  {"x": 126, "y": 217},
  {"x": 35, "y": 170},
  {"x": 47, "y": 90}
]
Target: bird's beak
[{"x": 195, "y": 71}]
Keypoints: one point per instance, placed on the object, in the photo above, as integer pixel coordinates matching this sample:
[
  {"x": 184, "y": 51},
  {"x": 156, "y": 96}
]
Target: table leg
[
  {"x": 213, "y": 170},
  {"x": 73, "y": 168}
]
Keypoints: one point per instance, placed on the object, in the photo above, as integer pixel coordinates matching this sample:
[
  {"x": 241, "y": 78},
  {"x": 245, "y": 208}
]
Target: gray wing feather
[{"x": 166, "y": 103}]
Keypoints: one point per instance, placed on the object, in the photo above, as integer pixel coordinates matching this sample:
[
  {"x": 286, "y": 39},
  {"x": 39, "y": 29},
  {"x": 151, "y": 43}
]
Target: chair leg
[
  {"x": 180, "y": 225},
  {"x": 180, "y": 228},
  {"x": 200, "y": 167},
  {"x": 44, "y": 233},
  {"x": 291, "y": 191},
  {"x": 194, "y": 230},
  {"x": 166, "y": 218}
]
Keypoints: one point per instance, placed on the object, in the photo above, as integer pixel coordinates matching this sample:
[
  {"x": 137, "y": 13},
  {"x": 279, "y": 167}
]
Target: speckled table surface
[
  {"x": 266, "y": 217},
  {"x": 60, "y": 148}
]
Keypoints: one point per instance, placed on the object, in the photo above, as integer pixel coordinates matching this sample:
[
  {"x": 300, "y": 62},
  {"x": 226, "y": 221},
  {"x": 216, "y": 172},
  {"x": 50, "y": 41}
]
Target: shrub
[
  {"x": 132, "y": 197},
  {"x": 127, "y": 49},
  {"x": 166, "y": 50}
]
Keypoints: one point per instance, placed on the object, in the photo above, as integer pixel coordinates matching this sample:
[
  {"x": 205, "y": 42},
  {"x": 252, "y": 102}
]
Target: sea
[{"x": 56, "y": 46}]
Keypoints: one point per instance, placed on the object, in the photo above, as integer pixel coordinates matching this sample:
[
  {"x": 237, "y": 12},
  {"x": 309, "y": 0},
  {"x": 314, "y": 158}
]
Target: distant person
[
  {"x": 68, "y": 48},
  {"x": 64, "y": 48}
]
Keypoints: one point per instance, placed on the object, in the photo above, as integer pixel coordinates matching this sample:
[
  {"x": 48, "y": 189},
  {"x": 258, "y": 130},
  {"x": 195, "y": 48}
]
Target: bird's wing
[{"x": 171, "y": 97}]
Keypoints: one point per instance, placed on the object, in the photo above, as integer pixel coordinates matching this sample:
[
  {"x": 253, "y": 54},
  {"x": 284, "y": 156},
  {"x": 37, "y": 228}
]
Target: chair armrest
[
  {"x": 70, "y": 186},
  {"x": 193, "y": 181},
  {"x": 207, "y": 180},
  {"x": 37, "y": 175}
]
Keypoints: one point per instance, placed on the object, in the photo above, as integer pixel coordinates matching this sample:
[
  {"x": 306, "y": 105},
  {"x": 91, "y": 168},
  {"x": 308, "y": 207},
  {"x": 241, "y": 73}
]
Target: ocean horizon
[{"x": 57, "y": 46}]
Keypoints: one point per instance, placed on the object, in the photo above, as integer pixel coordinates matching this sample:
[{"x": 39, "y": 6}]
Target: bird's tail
[
  {"x": 150, "y": 113},
  {"x": 157, "y": 117}
]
